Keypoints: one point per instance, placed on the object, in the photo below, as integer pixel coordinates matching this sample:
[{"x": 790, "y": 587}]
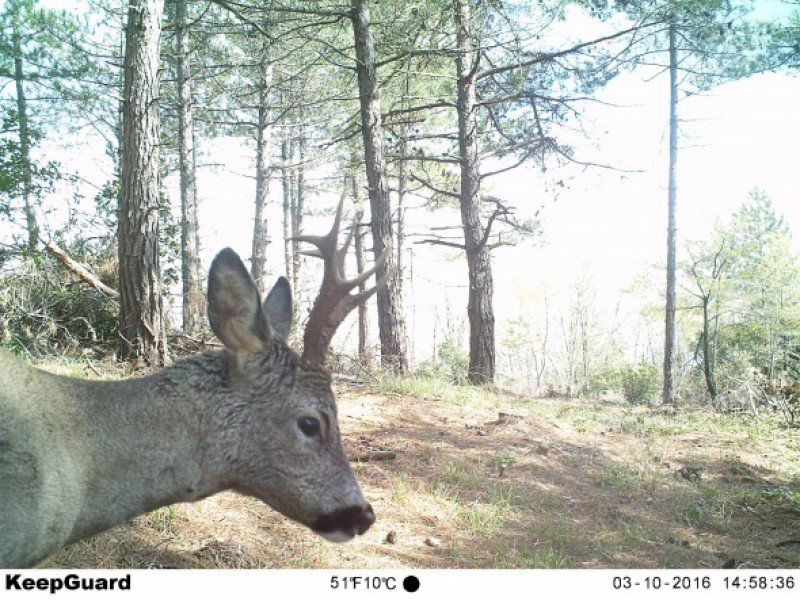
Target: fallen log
[
  {"x": 374, "y": 455},
  {"x": 79, "y": 270}
]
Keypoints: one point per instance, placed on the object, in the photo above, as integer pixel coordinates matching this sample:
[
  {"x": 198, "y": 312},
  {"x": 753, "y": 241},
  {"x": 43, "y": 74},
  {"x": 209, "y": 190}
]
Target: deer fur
[{"x": 78, "y": 457}]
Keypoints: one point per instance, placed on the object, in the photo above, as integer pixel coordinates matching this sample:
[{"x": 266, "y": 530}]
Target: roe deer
[{"x": 78, "y": 457}]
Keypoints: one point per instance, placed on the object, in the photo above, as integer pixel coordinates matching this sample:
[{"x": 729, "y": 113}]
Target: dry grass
[{"x": 553, "y": 484}]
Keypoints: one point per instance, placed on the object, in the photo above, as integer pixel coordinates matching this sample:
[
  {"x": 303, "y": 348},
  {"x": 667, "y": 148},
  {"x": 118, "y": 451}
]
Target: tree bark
[
  {"x": 193, "y": 296},
  {"x": 116, "y": 154},
  {"x": 402, "y": 182},
  {"x": 391, "y": 323},
  {"x": 31, "y": 225},
  {"x": 288, "y": 230},
  {"x": 363, "y": 320},
  {"x": 402, "y": 188},
  {"x": 672, "y": 189},
  {"x": 142, "y": 325},
  {"x": 707, "y": 360},
  {"x": 298, "y": 201},
  {"x": 258, "y": 265},
  {"x": 292, "y": 191},
  {"x": 479, "y": 266}
]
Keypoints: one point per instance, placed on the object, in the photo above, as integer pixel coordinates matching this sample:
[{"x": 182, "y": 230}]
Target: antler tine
[
  {"x": 334, "y": 300},
  {"x": 362, "y": 277},
  {"x": 315, "y": 253},
  {"x": 316, "y": 240},
  {"x": 326, "y": 245},
  {"x": 363, "y": 296},
  {"x": 334, "y": 232},
  {"x": 323, "y": 242}
]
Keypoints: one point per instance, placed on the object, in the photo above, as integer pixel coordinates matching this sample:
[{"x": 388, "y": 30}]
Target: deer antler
[{"x": 334, "y": 301}]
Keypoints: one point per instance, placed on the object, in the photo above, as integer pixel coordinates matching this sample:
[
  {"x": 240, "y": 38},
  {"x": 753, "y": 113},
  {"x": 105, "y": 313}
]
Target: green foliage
[
  {"x": 639, "y": 382},
  {"x": 47, "y": 72},
  {"x": 505, "y": 458},
  {"x": 43, "y": 311},
  {"x": 748, "y": 275},
  {"x": 451, "y": 363},
  {"x": 56, "y": 68},
  {"x": 106, "y": 201},
  {"x": 170, "y": 244},
  {"x": 454, "y": 359},
  {"x": 780, "y": 41},
  {"x": 717, "y": 39},
  {"x": 605, "y": 378},
  {"x": 766, "y": 275},
  {"x": 43, "y": 176}
]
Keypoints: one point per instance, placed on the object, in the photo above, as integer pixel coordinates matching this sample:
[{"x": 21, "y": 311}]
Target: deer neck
[{"x": 151, "y": 442}]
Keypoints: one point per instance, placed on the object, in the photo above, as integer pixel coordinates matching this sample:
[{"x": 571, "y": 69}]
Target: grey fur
[{"x": 78, "y": 457}]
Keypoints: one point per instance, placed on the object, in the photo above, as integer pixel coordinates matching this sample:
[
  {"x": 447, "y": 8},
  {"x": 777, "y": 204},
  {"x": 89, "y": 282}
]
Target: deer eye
[{"x": 310, "y": 426}]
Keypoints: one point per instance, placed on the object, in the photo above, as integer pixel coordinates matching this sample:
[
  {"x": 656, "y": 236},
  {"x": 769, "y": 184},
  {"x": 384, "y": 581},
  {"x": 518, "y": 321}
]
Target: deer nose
[
  {"x": 348, "y": 522},
  {"x": 367, "y": 519}
]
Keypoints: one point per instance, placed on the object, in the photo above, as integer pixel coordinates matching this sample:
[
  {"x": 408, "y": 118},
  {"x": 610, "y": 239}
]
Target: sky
[
  {"x": 738, "y": 137},
  {"x": 607, "y": 224},
  {"x": 610, "y": 224}
]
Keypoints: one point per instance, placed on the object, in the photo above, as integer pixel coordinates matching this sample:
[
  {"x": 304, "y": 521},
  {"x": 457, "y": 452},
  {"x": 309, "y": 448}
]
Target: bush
[
  {"x": 452, "y": 363},
  {"x": 639, "y": 382},
  {"x": 604, "y": 379},
  {"x": 44, "y": 311}
]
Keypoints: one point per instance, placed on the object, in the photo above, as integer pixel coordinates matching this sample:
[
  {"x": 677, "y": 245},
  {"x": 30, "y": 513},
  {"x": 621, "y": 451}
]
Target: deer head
[{"x": 278, "y": 420}]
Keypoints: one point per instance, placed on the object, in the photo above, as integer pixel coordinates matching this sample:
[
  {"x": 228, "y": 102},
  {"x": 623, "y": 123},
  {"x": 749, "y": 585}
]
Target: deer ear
[
  {"x": 278, "y": 308},
  {"x": 234, "y": 308}
]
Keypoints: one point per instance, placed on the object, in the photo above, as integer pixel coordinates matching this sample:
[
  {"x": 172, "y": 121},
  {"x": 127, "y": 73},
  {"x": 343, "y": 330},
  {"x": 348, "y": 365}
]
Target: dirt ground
[{"x": 502, "y": 481}]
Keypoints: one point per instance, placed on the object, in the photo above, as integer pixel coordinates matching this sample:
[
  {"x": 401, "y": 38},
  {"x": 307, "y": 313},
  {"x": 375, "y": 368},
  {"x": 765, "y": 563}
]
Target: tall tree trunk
[
  {"x": 193, "y": 297},
  {"x": 258, "y": 264},
  {"x": 669, "y": 337},
  {"x": 31, "y": 225},
  {"x": 142, "y": 325},
  {"x": 363, "y": 321},
  {"x": 391, "y": 323},
  {"x": 292, "y": 190},
  {"x": 288, "y": 230},
  {"x": 479, "y": 266},
  {"x": 299, "y": 196},
  {"x": 707, "y": 358},
  {"x": 119, "y": 124},
  {"x": 402, "y": 182},
  {"x": 402, "y": 188}
]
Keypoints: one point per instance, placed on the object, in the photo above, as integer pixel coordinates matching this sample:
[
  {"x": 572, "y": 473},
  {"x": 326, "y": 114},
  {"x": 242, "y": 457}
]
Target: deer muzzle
[{"x": 343, "y": 525}]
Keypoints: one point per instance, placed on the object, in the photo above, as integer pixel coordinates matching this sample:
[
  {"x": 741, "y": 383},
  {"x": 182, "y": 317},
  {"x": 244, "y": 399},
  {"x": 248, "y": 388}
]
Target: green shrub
[
  {"x": 639, "y": 382},
  {"x": 44, "y": 311},
  {"x": 455, "y": 360},
  {"x": 604, "y": 379}
]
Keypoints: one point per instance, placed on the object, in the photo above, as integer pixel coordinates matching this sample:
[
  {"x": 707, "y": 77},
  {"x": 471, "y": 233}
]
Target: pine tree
[{"x": 142, "y": 324}]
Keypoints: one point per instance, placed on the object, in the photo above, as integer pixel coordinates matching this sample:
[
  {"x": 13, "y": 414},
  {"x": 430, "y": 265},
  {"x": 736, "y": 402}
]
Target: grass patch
[
  {"x": 82, "y": 368},
  {"x": 434, "y": 388},
  {"x": 615, "y": 478},
  {"x": 717, "y": 507},
  {"x": 460, "y": 474},
  {"x": 163, "y": 520},
  {"x": 482, "y": 519},
  {"x": 527, "y": 556},
  {"x": 587, "y": 416}
]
